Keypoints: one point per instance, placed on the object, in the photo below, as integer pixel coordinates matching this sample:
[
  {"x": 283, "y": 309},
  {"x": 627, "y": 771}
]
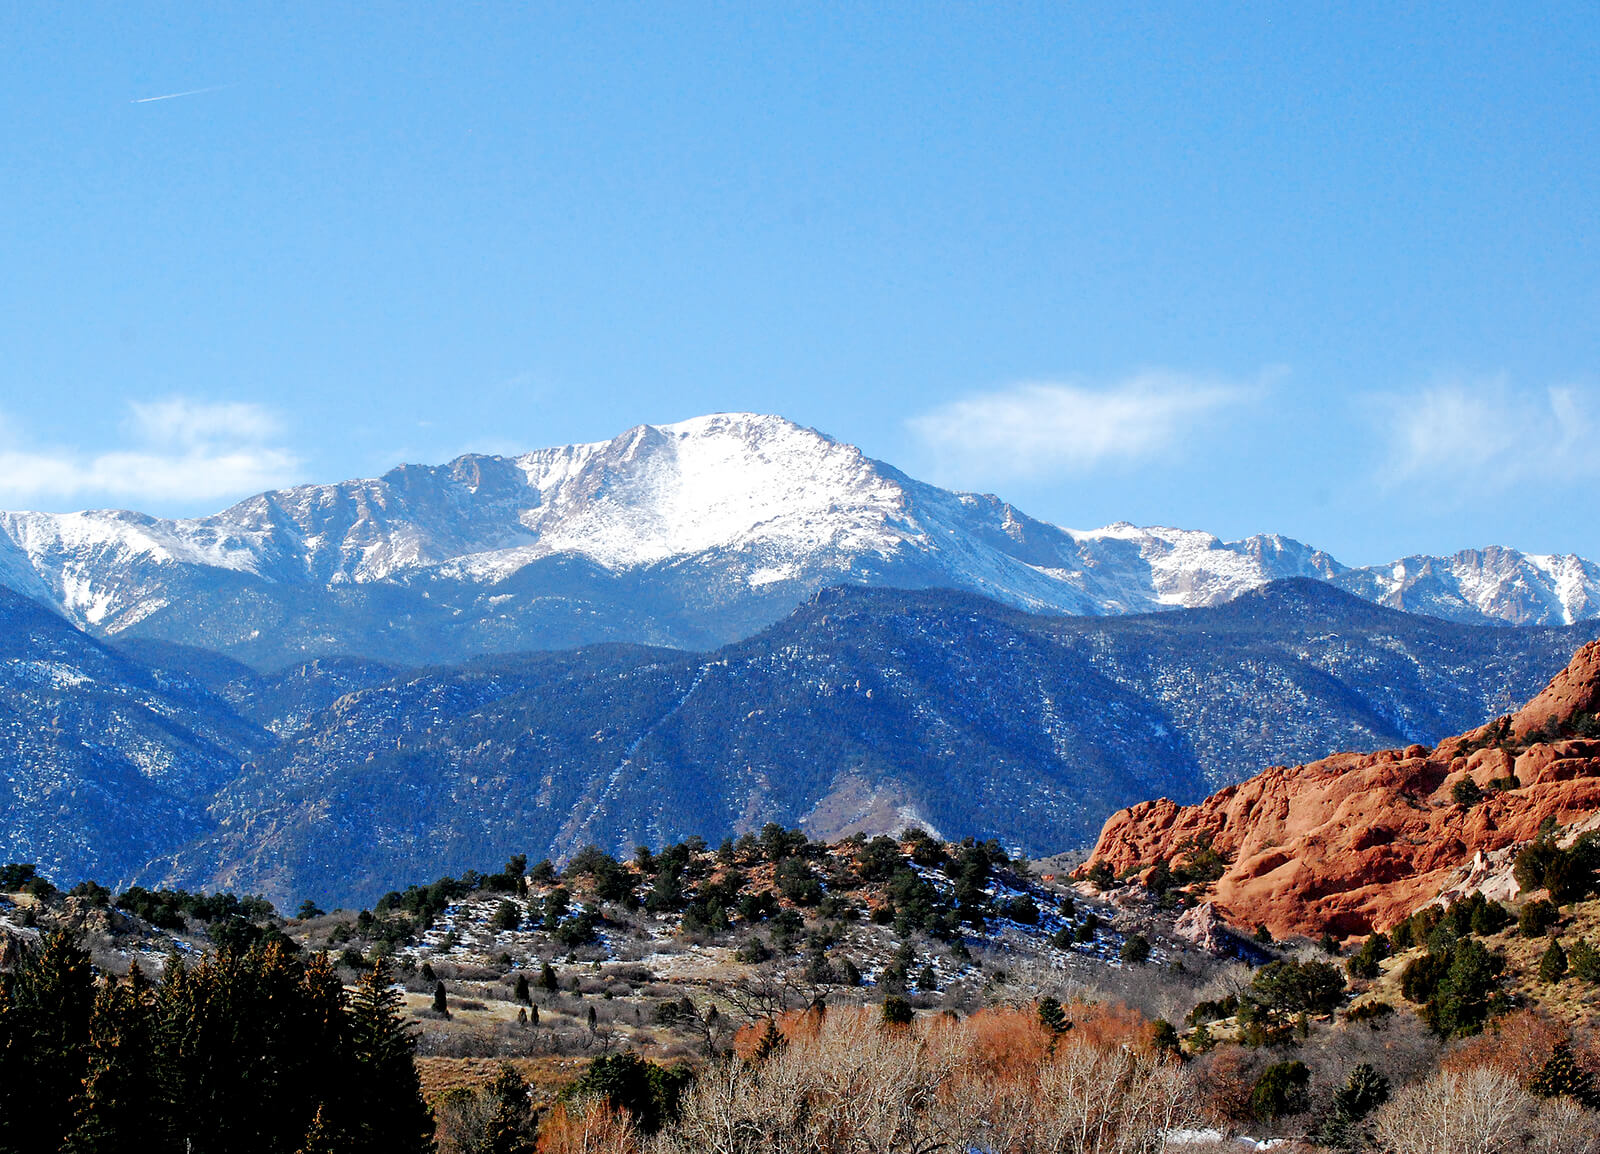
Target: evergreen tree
[
  {"x": 441, "y": 1004},
  {"x": 391, "y": 1116},
  {"x": 1343, "y": 1128},
  {"x": 1051, "y": 1015},
  {"x": 547, "y": 978},
  {"x": 124, "y": 1094},
  {"x": 521, "y": 992},
  {"x": 1562, "y": 1077},
  {"x": 45, "y": 1010},
  {"x": 1281, "y": 1089},
  {"x": 513, "y": 1126},
  {"x": 770, "y": 1042},
  {"x": 1553, "y": 966}
]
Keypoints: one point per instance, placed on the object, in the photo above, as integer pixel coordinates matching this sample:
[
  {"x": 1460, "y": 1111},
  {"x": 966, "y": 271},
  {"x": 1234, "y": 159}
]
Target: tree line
[{"x": 246, "y": 1051}]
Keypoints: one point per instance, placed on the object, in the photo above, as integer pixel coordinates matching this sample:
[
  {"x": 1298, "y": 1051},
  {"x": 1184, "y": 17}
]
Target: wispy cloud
[
  {"x": 1048, "y": 428},
  {"x": 1489, "y": 436},
  {"x": 177, "y": 450}
]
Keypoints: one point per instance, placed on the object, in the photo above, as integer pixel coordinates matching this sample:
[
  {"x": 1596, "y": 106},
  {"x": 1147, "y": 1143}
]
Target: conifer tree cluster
[{"x": 252, "y": 1051}]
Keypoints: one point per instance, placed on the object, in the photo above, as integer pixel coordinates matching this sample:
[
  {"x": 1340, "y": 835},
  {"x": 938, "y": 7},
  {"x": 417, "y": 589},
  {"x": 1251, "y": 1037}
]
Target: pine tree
[
  {"x": 547, "y": 978},
  {"x": 45, "y": 1011},
  {"x": 512, "y": 1127},
  {"x": 522, "y": 993},
  {"x": 1553, "y": 966},
  {"x": 391, "y": 1116},
  {"x": 770, "y": 1042},
  {"x": 1051, "y": 1016},
  {"x": 1562, "y": 1077},
  {"x": 124, "y": 1094},
  {"x": 441, "y": 1004}
]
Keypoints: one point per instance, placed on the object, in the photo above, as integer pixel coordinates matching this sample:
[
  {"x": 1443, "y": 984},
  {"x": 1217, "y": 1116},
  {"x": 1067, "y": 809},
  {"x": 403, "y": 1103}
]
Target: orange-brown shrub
[
  {"x": 587, "y": 1128},
  {"x": 1518, "y": 1044}
]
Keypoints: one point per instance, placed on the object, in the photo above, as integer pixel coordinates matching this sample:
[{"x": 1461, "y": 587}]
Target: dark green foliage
[
  {"x": 1466, "y": 793},
  {"x": 1584, "y": 961},
  {"x": 1329, "y": 945},
  {"x": 797, "y": 883},
  {"x": 1164, "y": 1037},
  {"x": 770, "y": 1042},
  {"x": 1213, "y": 1010},
  {"x": 1342, "y": 1128},
  {"x": 1022, "y": 910},
  {"x": 95, "y": 893},
  {"x": 548, "y": 982},
  {"x": 753, "y": 951},
  {"x": 14, "y": 876},
  {"x": 1562, "y": 1077},
  {"x": 1537, "y": 918},
  {"x": 1454, "y": 986},
  {"x": 513, "y": 1126},
  {"x": 45, "y": 1012},
  {"x": 521, "y": 992},
  {"x": 248, "y": 1053},
  {"x": 1568, "y": 874},
  {"x": 1136, "y": 949},
  {"x": 879, "y": 859},
  {"x": 507, "y": 916},
  {"x": 441, "y": 1003},
  {"x": 1553, "y": 965},
  {"x": 625, "y": 1081},
  {"x": 1201, "y": 862},
  {"x": 927, "y": 980},
  {"x": 1100, "y": 876},
  {"x": 1282, "y": 1089},
  {"x": 897, "y": 1011},
  {"x": 1263, "y": 935},
  {"x": 1289, "y": 987},
  {"x": 1051, "y": 1015},
  {"x": 1364, "y": 962}
]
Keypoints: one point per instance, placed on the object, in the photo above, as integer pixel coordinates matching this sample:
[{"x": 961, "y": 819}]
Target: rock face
[{"x": 1354, "y": 842}]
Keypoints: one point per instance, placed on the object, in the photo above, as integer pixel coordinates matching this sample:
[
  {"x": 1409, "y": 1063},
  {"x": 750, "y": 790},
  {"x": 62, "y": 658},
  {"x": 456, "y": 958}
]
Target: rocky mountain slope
[
  {"x": 1355, "y": 842},
  {"x": 691, "y": 535},
  {"x": 862, "y": 710},
  {"x": 103, "y": 760}
]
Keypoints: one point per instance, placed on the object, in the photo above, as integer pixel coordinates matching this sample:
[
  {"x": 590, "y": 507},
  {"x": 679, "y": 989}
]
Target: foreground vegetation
[{"x": 774, "y": 994}]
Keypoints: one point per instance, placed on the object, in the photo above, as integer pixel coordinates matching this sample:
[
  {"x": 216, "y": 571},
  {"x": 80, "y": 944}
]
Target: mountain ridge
[{"x": 691, "y": 535}]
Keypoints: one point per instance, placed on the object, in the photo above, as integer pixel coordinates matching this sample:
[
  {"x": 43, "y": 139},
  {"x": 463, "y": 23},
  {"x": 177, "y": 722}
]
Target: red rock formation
[{"x": 1355, "y": 842}]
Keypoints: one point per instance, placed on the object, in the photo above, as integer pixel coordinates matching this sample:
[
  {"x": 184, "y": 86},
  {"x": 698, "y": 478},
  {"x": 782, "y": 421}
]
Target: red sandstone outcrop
[{"x": 1355, "y": 842}]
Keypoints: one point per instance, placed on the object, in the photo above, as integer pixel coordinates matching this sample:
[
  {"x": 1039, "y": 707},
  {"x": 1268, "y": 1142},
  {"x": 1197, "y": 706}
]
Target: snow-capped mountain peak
[{"x": 688, "y": 533}]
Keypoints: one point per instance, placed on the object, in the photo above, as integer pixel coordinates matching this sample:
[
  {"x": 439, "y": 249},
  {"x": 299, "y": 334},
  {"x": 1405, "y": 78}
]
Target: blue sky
[{"x": 1326, "y": 271}]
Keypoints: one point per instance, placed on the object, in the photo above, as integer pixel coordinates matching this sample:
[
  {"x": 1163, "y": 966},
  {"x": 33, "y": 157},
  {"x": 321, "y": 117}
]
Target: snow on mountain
[
  {"x": 1495, "y": 583},
  {"x": 687, "y": 533}
]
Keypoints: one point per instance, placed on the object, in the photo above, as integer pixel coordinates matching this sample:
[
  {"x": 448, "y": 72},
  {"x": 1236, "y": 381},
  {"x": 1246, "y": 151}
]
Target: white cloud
[
  {"x": 1490, "y": 436},
  {"x": 1045, "y": 428},
  {"x": 178, "y": 450}
]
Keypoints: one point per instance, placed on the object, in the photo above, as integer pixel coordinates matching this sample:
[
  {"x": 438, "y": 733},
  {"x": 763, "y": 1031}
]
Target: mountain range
[
  {"x": 863, "y": 709},
  {"x": 689, "y": 535}
]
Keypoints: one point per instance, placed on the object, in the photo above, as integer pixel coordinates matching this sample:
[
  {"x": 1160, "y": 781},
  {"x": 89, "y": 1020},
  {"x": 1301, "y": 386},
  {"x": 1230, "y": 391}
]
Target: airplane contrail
[{"x": 175, "y": 95}]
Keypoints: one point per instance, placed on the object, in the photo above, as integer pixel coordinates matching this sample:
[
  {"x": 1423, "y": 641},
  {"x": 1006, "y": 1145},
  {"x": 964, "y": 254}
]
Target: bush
[
  {"x": 1584, "y": 961},
  {"x": 1136, "y": 949},
  {"x": 1466, "y": 793},
  {"x": 1553, "y": 966},
  {"x": 897, "y": 1011},
  {"x": 1537, "y": 918},
  {"x": 1364, "y": 962},
  {"x": 1283, "y": 1088}
]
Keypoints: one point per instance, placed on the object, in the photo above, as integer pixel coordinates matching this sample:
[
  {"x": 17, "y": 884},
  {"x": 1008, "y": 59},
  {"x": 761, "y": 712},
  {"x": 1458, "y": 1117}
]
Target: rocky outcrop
[{"x": 1355, "y": 842}]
